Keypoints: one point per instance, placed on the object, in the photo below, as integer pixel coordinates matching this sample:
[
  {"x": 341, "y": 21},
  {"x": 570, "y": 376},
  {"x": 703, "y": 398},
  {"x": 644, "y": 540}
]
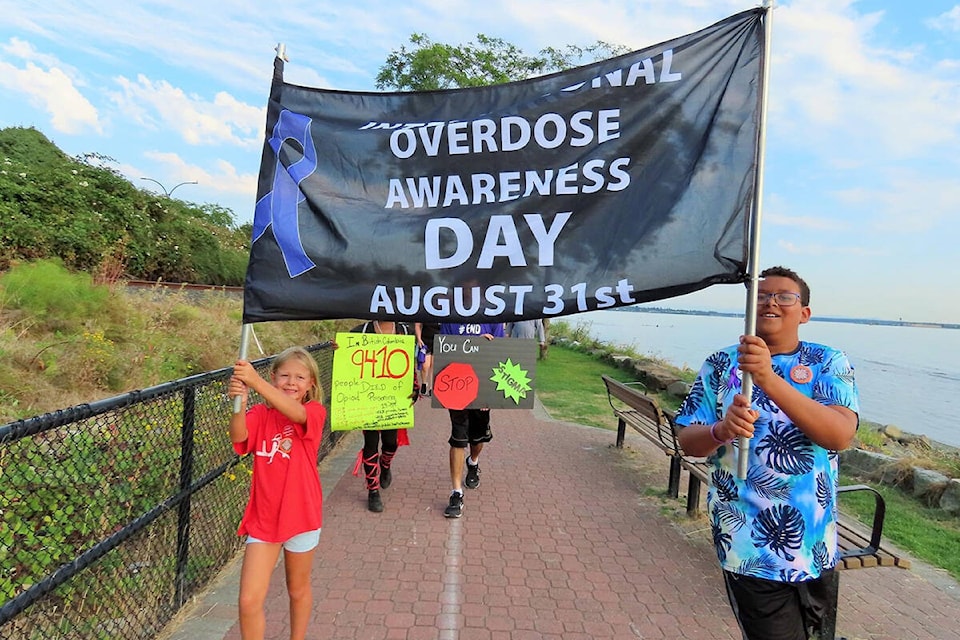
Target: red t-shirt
[{"x": 285, "y": 494}]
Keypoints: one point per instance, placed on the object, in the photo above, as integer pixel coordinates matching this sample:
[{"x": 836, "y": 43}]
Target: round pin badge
[{"x": 801, "y": 374}]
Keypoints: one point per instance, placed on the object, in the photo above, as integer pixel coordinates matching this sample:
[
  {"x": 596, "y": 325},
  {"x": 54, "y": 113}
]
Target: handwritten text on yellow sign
[{"x": 372, "y": 382}]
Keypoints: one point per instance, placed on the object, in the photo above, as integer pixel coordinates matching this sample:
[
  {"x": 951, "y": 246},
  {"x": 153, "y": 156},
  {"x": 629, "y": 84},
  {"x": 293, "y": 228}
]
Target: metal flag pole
[
  {"x": 753, "y": 269},
  {"x": 244, "y": 341}
]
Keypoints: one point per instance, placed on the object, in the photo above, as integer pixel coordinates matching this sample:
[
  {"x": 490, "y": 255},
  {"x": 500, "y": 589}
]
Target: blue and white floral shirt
[{"x": 780, "y": 522}]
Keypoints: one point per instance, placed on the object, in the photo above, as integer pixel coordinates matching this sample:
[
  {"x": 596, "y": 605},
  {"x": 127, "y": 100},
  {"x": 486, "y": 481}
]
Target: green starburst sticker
[{"x": 512, "y": 380}]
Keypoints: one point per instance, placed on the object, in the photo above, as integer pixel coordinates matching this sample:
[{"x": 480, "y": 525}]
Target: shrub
[
  {"x": 133, "y": 339},
  {"x": 93, "y": 219},
  {"x": 53, "y": 296}
]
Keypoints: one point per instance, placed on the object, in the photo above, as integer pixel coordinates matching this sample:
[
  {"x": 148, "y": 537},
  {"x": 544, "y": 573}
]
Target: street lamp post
[{"x": 170, "y": 192}]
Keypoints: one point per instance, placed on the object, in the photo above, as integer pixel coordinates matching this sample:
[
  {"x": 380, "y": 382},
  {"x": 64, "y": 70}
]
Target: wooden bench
[
  {"x": 859, "y": 547},
  {"x": 642, "y": 413}
]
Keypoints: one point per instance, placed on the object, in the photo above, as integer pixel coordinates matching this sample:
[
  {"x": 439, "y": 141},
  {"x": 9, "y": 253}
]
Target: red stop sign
[{"x": 456, "y": 385}]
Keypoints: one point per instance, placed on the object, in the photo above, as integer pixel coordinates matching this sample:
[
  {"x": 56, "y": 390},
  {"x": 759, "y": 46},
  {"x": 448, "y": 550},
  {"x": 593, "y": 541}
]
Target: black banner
[{"x": 622, "y": 181}]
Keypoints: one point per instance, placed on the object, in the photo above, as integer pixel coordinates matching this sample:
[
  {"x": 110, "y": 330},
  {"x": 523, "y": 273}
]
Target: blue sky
[{"x": 861, "y": 188}]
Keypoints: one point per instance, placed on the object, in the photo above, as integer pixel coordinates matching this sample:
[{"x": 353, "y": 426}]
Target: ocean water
[{"x": 907, "y": 376}]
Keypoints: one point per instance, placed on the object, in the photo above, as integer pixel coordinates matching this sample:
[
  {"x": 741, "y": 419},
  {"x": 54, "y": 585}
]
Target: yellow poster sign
[{"x": 372, "y": 382}]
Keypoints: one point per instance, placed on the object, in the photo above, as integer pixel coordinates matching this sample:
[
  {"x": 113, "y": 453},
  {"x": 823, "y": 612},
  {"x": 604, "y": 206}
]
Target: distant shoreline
[{"x": 731, "y": 314}]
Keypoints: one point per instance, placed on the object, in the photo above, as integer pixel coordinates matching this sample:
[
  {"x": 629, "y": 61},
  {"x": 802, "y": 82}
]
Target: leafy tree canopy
[{"x": 428, "y": 65}]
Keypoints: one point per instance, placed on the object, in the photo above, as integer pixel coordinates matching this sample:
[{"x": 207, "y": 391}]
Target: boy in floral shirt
[{"x": 775, "y": 532}]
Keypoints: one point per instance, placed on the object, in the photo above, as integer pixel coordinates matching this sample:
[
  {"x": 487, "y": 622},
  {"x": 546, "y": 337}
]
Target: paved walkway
[{"x": 566, "y": 537}]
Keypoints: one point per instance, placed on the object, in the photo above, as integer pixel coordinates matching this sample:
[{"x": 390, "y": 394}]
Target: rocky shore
[{"x": 896, "y": 462}]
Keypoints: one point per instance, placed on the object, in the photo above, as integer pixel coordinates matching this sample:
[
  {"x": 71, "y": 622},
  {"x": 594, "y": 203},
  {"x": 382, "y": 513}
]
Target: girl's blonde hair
[{"x": 302, "y": 356}]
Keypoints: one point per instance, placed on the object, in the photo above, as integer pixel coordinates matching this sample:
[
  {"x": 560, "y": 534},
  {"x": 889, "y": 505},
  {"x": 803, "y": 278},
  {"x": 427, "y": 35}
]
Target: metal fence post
[{"x": 186, "y": 478}]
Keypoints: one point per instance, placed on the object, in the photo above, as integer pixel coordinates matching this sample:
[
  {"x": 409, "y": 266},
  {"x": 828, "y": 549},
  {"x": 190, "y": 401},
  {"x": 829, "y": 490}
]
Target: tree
[{"x": 429, "y": 65}]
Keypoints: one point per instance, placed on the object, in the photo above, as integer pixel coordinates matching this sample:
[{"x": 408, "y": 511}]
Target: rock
[
  {"x": 900, "y": 436},
  {"x": 927, "y": 481},
  {"x": 621, "y": 360},
  {"x": 867, "y": 463},
  {"x": 950, "y": 500},
  {"x": 654, "y": 376},
  {"x": 678, "y": 389},
  {"x": 918, "y": 442},
  {"x": 892, "y": 431}
]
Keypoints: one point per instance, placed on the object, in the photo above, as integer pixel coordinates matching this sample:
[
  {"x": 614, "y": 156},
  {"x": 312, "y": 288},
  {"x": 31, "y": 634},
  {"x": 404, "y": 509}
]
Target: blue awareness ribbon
[{"x": 280, "y": 206}]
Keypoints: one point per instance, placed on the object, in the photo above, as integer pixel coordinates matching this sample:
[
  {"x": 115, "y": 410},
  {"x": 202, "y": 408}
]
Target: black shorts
[
  {"x": 469, "y": 426},
  {"x": 427, "y": 331},
  {"x": 771, "y": 610}
]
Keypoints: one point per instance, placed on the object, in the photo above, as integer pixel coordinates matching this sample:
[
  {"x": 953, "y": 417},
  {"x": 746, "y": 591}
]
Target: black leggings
[
  {"x": 374, "y": 462},
  {"x": 371, "y": 441}
]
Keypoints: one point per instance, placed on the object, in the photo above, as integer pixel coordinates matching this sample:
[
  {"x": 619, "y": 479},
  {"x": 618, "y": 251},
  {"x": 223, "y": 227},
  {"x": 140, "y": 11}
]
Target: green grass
[
  {"x": 928, "y": 534},
  {"x": 569, "y": 386},
  {"x": 67, "y": 340}
]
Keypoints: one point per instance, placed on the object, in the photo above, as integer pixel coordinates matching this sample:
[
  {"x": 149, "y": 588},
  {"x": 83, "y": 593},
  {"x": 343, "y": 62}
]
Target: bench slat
[
  {"x": 647, "y": 429},
  {"x": 852, "y": 536}
]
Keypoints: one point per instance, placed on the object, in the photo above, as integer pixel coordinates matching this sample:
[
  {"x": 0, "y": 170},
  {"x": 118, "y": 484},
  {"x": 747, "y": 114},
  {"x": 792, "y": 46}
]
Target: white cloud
[
  {"x": 927, "y": 201},
  {"x": 948, "y": 21},
  {"x": 805, "y": 222},
  {"x": 223, "y": 178},
  {"x": 23, "y": 50},
  {"x": 158, "y": 104},
  {"x": 49, "y": 85},
  {"x": 828, "y": 250},
  {"x": 52, "y": 91},
  {"x": 835, "y": 86}
]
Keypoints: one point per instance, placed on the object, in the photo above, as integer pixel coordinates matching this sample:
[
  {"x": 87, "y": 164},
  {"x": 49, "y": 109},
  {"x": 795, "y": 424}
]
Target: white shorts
[{"x": 300, "y": 543}]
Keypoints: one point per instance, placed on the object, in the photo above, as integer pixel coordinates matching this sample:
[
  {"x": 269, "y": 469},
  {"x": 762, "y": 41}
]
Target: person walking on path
[
  {"x": 529, "y": 330},
  {"x": 380, "y": 445},
  {"x": 775, "y": 532},
  {"x": 468, "y": 427},
  {"x": 286, "y": 500},
  {"x": 425, "y": 331}
]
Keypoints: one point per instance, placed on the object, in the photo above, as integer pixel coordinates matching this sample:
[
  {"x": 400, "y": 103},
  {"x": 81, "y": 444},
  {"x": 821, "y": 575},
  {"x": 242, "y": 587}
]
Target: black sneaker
[
  {"x": 455, "y": 508},
  {"x": 472, "y": 480},
  {"x": 374, "y": 502},
  {"x": 385, "y": 478}
]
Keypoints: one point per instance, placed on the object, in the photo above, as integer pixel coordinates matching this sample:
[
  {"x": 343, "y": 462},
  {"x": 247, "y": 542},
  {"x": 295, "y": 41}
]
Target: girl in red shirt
[{"x": 284, "y": 511}]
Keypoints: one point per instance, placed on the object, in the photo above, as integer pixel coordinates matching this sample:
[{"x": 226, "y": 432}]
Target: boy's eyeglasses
[{"x": 784, "y": 299}]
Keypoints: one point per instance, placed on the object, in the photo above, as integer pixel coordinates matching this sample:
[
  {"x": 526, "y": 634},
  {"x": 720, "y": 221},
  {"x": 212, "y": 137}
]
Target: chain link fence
[{"x": 113, "y": 514}]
